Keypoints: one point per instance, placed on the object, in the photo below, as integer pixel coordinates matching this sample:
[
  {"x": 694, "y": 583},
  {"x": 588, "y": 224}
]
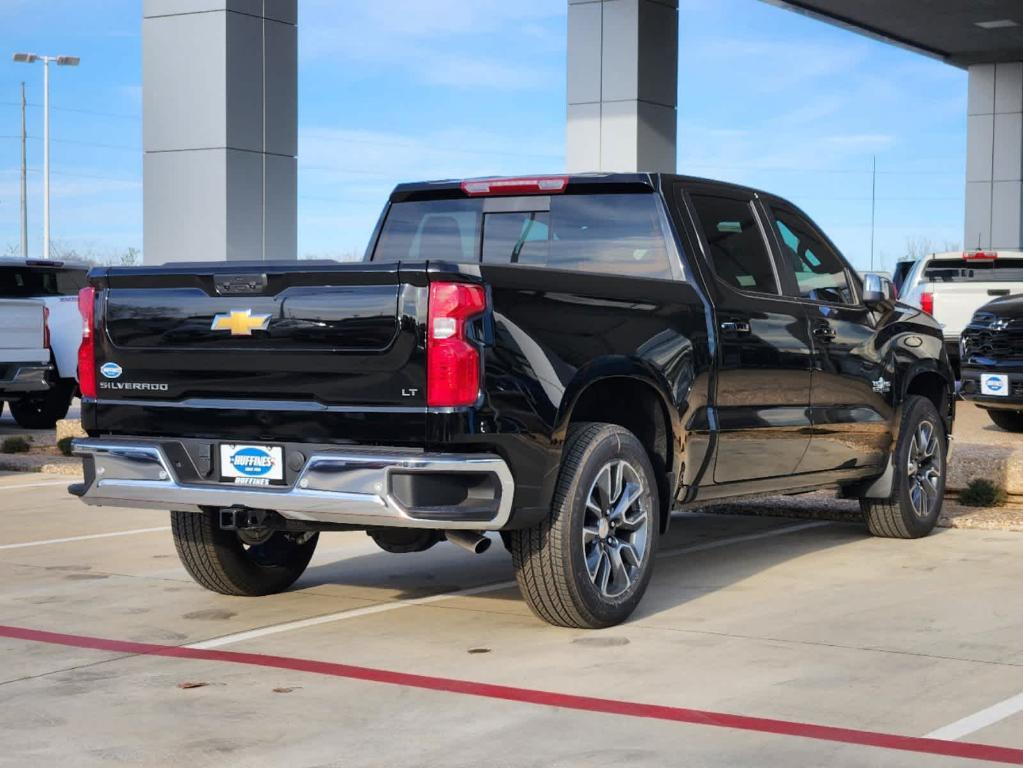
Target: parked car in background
[
  {"x": 54, "y": 286},
  {"x": 562, "y": 360},
  {"x": 952, "y": 286},
  {"x": 24, "y": 353},
  {"x": 902, "y": 268},
  {"x": 991, "y": 351}
]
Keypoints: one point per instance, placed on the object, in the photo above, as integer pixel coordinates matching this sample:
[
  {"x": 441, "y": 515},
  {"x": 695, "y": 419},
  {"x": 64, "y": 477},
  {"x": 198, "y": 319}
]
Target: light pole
[{"x": 61, "y": 61}]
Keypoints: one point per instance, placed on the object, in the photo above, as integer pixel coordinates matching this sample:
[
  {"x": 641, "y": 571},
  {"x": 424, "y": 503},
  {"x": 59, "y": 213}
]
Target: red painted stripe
[{"x": 962, "y": 749}]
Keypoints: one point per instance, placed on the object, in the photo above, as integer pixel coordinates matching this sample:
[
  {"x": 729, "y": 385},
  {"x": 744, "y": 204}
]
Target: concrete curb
[{"x": 1001, "y": 464}]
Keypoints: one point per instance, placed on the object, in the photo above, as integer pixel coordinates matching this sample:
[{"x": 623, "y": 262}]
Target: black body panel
[{"x": 993, "y": 344}]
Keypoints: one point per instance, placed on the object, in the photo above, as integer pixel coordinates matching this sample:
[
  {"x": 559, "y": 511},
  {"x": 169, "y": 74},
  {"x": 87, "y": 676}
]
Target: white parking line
[
  {"x": 83, "y": 538},
  {"x": 978, "y": 720},
  {"x": 64, "y": 483},
  {"x": 252, "y": 634}
]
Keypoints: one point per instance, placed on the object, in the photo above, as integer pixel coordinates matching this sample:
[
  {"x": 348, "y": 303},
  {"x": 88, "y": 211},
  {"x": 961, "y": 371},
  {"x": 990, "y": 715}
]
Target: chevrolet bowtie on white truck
[
  {"x": 53, "y": 287},
  {"x": 562, "y": 360}
]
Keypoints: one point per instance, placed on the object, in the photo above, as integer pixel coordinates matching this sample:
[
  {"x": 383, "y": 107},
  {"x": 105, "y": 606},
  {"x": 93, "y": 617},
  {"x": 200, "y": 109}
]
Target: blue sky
[{"x": 412, "y": 89}]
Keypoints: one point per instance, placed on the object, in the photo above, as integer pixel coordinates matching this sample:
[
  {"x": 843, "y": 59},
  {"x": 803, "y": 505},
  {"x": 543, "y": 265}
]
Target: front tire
[
  {"x": 589, "y": 563},
  {"x": 249, "y": 563},
  {"x": 918, "y": 487},
  {"x": 1010, "y": 421}
]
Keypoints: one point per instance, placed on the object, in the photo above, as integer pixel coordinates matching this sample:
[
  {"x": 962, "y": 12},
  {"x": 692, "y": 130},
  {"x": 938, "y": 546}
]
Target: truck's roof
[
  {"x": 44, "y": 263},
  {"x": 447, "y": 188}
]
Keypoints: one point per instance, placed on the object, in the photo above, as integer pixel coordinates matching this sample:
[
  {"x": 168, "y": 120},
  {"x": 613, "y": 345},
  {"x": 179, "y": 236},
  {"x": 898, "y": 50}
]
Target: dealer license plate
[
  {"x": 994, "y": 384},
  {"x": 244, "y": 464}
]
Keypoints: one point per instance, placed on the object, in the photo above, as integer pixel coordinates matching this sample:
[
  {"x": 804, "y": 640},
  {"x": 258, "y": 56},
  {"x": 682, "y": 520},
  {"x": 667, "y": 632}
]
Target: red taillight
[
  {"x": 452, "y": 361},
  {"x": 46, "y": 327},
  {"x": 87, "y": 349},
  {"x": 980, "y": 255},
  {"x": 927, "y": 302},
  {"x": 535, "y": 185}
]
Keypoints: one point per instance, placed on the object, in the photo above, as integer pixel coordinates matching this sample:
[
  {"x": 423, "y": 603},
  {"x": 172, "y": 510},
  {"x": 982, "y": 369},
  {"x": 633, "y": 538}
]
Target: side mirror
[{"x": 878, "y": 291}]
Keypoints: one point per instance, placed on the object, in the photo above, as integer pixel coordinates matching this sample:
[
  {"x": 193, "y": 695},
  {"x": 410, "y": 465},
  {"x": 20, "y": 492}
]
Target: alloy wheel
[
  {"x": 614, "y": 535},
  {"x": 924, "y": 469}
]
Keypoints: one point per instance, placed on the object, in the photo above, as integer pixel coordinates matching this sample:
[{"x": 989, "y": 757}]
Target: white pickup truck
[
  {"x": 25, "y": 368},
  {"x": 952, "y": 286},
  {"x": 29, "y": 290}
]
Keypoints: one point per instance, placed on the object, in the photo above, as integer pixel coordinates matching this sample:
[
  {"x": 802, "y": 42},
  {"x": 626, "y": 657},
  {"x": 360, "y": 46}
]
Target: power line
[
  {"x": 98, "y": 113},
  {"x": 122, "y": 147}
]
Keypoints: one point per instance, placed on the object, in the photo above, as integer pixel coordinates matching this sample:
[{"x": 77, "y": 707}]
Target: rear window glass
[
  {"x": 619, "y": 234},
  {"x": 974, "y": 271},
  {"x": 18, "y": 282}
]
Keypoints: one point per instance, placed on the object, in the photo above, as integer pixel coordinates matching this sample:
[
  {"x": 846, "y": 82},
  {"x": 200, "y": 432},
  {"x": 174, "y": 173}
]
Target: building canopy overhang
[{"x": 959, "y": 32}]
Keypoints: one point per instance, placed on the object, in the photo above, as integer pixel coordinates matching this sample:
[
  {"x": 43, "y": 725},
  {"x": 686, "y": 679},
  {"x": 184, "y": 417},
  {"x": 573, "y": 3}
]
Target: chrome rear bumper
[
  {"x": 24, "y": 378},
  {"x": 346, "y": 486}
]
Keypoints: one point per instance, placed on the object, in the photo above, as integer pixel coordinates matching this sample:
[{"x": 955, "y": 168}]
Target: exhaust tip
[{"x": 469, "y": 541}]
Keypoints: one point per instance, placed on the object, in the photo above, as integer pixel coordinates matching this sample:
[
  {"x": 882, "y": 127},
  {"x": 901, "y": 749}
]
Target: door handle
[
  {"x": 735, "y": 326},
  {"x": 824, "y": 332}
]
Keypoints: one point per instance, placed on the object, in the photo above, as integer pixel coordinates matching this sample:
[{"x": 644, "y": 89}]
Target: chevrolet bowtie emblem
[{"x": 240, "y": 322}]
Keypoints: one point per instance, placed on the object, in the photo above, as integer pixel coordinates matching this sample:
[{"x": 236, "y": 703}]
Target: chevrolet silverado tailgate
[
  {"x": 22, "y": 340},
  {"x": 258, "y": 348}
]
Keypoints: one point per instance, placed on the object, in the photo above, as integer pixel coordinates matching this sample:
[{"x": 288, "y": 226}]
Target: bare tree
[{"x": 918, "y": 247}]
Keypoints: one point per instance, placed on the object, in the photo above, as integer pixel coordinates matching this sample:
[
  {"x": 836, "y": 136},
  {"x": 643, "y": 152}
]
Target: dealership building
[{"x": 220, "y": 108}]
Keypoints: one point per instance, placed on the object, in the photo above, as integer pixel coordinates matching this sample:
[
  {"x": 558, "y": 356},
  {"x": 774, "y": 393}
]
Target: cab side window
[
  {"x": 820, "y": 272},
  {"x": 738, "y": 253}
]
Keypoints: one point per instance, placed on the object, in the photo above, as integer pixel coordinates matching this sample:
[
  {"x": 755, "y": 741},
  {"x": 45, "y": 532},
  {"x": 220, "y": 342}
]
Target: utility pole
[
  {"x": 24, "y": 178},
  {"x": 61, "y": 61},
  {"x": 873, "y": 210},
  {"x": 46, "y": 160}
]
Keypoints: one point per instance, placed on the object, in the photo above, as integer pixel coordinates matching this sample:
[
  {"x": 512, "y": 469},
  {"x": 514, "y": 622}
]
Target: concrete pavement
[{"x": 809, "y": 624}]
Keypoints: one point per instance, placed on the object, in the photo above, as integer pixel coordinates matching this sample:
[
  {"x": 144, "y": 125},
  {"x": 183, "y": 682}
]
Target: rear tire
[
  {"x": 45, "y": 410},
  {"x": 1010, "y": 421},
  {"x": 588, "y": 564},
  {"x": 221, "y": 561},
  {"x": 918, "y": 487}
]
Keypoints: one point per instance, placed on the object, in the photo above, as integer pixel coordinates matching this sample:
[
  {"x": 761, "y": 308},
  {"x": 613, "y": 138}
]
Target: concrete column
[
  {"x": 622, "y": 85},
  {"x": 219, "y": 93},
  {"x": 994, "y": 157}
]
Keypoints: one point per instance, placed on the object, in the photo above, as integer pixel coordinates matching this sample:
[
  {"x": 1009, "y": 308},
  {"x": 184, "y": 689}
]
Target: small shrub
[
  {"x": 14, "y": 445},
  {"x": 982, "y": 493},
  {"x": 64, "y": 444}
]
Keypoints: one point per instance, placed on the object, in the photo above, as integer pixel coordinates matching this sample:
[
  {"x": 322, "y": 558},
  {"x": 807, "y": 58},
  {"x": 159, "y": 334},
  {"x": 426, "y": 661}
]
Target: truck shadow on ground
[{"x": 729, "y": 549}]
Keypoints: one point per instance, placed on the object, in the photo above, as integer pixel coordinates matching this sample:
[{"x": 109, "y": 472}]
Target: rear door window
[{"x": 738, "y": 253}]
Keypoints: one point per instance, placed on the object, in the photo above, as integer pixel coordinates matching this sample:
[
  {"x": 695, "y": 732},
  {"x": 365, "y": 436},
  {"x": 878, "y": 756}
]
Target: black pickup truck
[
  {"x": 991, "y": 351},
  {"x": 564, "y": 360}
]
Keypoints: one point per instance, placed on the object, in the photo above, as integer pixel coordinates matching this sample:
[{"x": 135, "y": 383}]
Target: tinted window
[
  {"x": 25, "y": 282},
  {"x": 616, "y": 234},
  {"x": 620, "y": 234},
  {"x": 737, "y": 250},
  {"x": 974, "y": 271},
  {"x": 516, "y": 238},
  {"x": 820, "y": 272},
  {"x": 435, "y": 229}
]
